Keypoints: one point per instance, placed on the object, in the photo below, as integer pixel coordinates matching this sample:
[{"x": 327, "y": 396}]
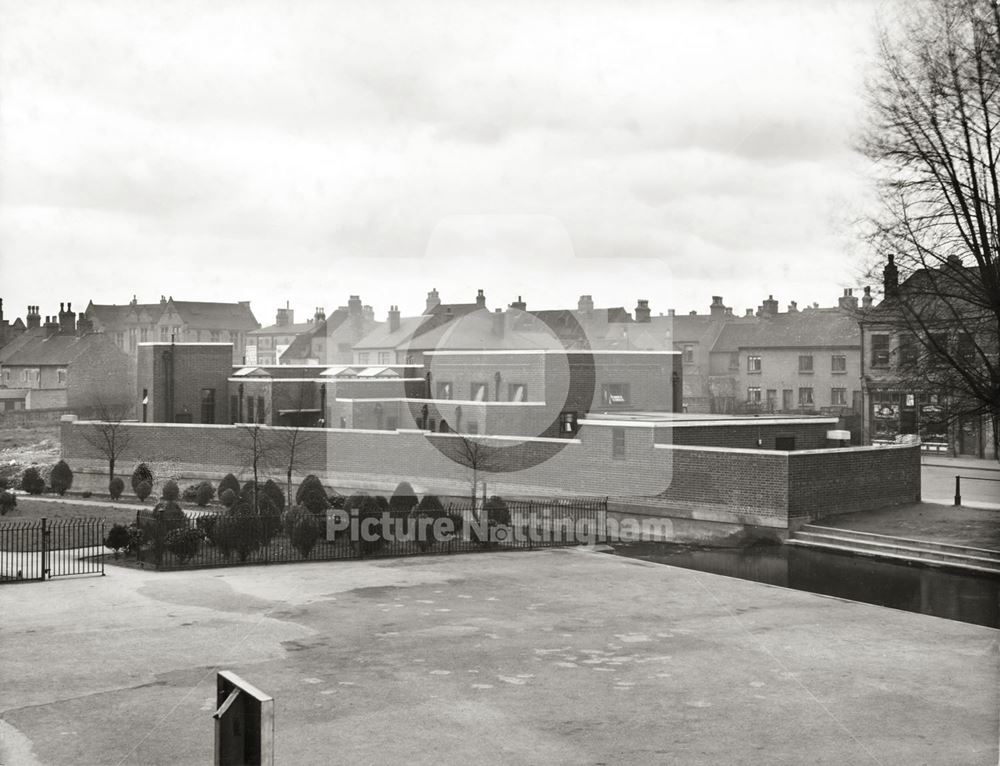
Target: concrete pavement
[{"x": 557, "y": 656}]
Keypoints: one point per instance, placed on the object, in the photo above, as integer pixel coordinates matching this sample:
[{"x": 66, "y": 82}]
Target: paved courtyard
[{"x": 558, "y": 656}]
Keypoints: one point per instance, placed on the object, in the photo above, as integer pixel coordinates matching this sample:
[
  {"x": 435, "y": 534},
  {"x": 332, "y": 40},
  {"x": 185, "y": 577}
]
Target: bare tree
[
  {"x": 291, "y": 437},
  {"x": 933, "y": 136},
  {"x": 476, "y": 455},
  {"x": 254, "y": 448},
  {"x": 109, "y": 434}
]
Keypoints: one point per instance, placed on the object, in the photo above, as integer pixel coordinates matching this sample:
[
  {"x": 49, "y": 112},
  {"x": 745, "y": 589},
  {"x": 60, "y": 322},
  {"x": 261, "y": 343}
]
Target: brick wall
[
  {"x": 807, "y": 435},
  {"x": 195, "y": 366}
]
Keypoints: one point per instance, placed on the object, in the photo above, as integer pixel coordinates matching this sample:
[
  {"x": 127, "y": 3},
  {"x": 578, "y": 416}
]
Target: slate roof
[
  {"x": 301, "y": 347},
  {"x": 198, "y": 314},
  {"x": 384, "y": 337},
  {"x": 18, "y": 343},
  {"x": 812, "y": 328},
  {"x": 58, "y": 349},
  {"x": 476, "y": 332}
]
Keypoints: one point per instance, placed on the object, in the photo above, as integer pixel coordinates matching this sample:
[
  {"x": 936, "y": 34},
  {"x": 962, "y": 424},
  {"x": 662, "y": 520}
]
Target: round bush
[
  {"x": 277, "y": 497},
  {"x": 311, "y": 481},
  {"x": 403, "y": 499},
  {"x": 32, "y": 481},
  {"x": 183, "y": 543},
  {"x": 170, "y": 491},
  {"x": 115, "y": 487},
  {"x": 61, "y": 478},
  {"x": 204, "y": 494},
  {"x": 227, "y": 497},
  {"x": 305, "y": 534},
  {"x": 141, "y": 473},
  {"x": 117, "y": 538},
  {"x": 142, "y": 490},
  {"x": 229, "y": 482}
]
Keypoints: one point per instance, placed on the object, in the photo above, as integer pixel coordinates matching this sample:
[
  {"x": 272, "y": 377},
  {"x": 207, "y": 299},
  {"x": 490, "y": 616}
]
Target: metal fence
[
  {"x": 224, "y": 539},
  {"x": 47, "y": 548}
]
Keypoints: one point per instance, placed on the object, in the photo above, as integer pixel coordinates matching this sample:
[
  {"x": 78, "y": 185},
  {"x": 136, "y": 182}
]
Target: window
[
  {"x": 805, "y": 363},
  {"x": 838, "y": 397},
  {"x": 907, "y": 352},
  {"x": 618, "y": 443},
  {"x": 6, "y": 377},
  {"x": 734, "y": 360},
  {"x": 164, "y": 333},
  {"x": 444, "y": 390},
  {"x": 786, "y": 399},
  {"x": 772, "y": 399},
  {"x": 688, "y": 353},
  {"x": 143, "y": 335},
  {"x": 880, "y": 350},
  {"x": 260, "y": 409},
  {"x": 216, "y": 337},
  {"x": 208, "y": 405},
  {"x": 250, "y": 409},
  {"x": 61, "y": 376},
  {"x": 472, "y": 426},
  {"x": 753, "y": 394},
  {"x": 838, "y": 364},
  {"x": 753, "y": 363},
  {"x": 805, "y": 397},
  {"x": 615, "y": 394},
  {"x": 479, "y": 392},
  {"x": 120, "y": 340},
  {"x": 517, "y": 392},
  {"x": 362, "y": 357},
  {"x": 385, "y": 357}
]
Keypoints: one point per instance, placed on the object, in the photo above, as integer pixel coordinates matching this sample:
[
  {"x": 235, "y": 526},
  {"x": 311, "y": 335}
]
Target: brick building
[
  {"x": 331, "y": 339},
  {"x": 9, "y": 330},
  {"x": 183, "y": 382},
  {"x": 180, "y": 321},
  {"x": 266, "y": 344}
]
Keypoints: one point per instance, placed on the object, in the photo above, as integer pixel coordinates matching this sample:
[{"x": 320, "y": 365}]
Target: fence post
[
  {"x": 958, "y": 489},
  {"x": 45, "y": 547}
]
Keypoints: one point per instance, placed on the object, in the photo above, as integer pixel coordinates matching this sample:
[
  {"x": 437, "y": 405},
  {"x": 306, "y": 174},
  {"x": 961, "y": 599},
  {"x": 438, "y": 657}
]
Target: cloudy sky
[{"x": 304, "y": 151}]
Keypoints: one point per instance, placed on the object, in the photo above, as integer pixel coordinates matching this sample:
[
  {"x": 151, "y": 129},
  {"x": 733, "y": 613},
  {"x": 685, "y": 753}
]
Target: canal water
[{"x": 924, "y": 590}]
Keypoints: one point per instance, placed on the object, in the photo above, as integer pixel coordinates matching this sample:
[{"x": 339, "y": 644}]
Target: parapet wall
[{"x": 736, "y": 486}]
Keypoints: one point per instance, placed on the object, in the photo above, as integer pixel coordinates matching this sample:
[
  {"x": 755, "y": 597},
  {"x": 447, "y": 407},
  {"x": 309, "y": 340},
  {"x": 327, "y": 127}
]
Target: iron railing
[
  {"x": 222, "y": 539},
  {"x": 45, "y": 548},
  {"x": 958, "y": 485}
]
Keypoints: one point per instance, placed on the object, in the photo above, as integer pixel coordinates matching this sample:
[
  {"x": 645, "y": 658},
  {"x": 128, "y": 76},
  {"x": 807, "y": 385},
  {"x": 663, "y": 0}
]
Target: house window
[
  {"x": 838, "y": 397},
  {"x": 772, "y": 399},
  {"x": 385, "y": 357},
  {"x": 143, "y": 334},
  {"x": 734, "y": 360},
  {"x": 753, "y": 363},
  {"x": 479, "y": 392},
  {"x": 362, "y": 357},
  {"x": 472, "y": 426},
  {"x": 250, "y": 401},
  {"x": 838, "y": 363},
  {"x": 688, "y": 354},
  {"x": 880, "y": 350},
  {"x": 61, "y": 376},
  {"x": 216, "y": 336},
  {"x": 444, "y": 390},
  {"x": 786, "y": 398},
  {"x": 260, "y": 409},
  {"x": 6, "y": 377},
  {"x": 208, "y": 405},
  {"x": 805, "y": 363},
  {"x": 517, "y": 392},
  {"x": 613, "y": 394},
  {"x": 120, "y": 340},
  {"x": 805, "y": 397},
  {"x": 753, "y": 394},
  {"x": 618, "y": 443}
]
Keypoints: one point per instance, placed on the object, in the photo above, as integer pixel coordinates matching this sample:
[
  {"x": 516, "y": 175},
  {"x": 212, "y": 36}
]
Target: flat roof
[{"x": 681, "y": 419}]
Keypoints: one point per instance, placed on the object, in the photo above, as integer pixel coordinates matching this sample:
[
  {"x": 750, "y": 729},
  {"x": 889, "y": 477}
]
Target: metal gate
[{"x": 43, "y": 549}]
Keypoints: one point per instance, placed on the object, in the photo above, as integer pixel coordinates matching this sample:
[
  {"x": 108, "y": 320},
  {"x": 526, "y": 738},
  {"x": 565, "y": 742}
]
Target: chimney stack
[
  {"x": 480, "y": 300},
  {"x": 51, "y": 326},
  {"x": 499, "y": 320},
  {"x": 67, "y": 319},
  {"x": 518, "y": 304},
  {"x": 642, "y": 312},
  {"x": 320, "y": 314},
  {"x": 585, "y": 304},
  {"x": 718, "y": 308},
  {"x": 793, "y": 307},
  {"x": 433, "y": 300},
  {"x": 890, "y": 277},
  {"x": 285, "y": 316},
  {"x": 393, "y": 318},
  {"x": 84, "y": 325},
  {"x": 866, "y": 300},
  {"x": 768, "y": 308},
  {"x": 354, "y": 305},
  {"x": 671, "y": 312},
  {"x": 847, "y": 301},
  {"x": 32, "y": 319},
  {"x": 749, "y": 314}
]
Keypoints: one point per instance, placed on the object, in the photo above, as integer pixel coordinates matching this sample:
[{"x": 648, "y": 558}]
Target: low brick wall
[{"x": 713, "y": 484}]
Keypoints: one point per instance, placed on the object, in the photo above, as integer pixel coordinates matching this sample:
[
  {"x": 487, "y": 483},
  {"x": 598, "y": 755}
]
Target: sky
[{"x": 304, "y": 152}]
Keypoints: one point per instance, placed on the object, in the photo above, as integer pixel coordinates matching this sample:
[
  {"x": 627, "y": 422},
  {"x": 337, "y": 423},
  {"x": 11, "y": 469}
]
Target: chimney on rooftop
[
  {"x": 793, "y": 308},
  {"x": 671, "y": 312},
  {"x": 32, "y": 319},
  {"x": 354, "y": 305},
  {"x": 768, "y": 308},
  {"x": 585, "y": 304},
  {"x": 368, "y": 313},
  {"x": 393, "y": 318},
  {"x": 84, "y": 324},
  {"x": 847, "y": 301},
  {"x": 718, "y": 308},
  {"x": 866, "y": 299},
  {"x": 67, "y": 319},
  {"x": 51, "y": 326},
  {"x": 285, "y": 316},
  {"x": 890, "y": 277},
  {"x": 433, "y": 300},
  {"x": 320, "y": 314},
  {"x": 480, "y": 300},
  {"x": 518, "y": 304},
  {"x": 749, "y": 313},
  {"x": 642, "y": 311},
  {"x": 499, "y": 320}
]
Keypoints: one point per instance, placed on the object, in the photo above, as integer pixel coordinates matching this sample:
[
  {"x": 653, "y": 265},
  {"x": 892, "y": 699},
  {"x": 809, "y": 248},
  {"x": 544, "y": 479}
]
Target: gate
[{"x": 43, "y": 549}]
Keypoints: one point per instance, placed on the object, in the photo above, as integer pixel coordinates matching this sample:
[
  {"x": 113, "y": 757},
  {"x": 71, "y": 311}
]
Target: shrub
[
  {"x": 430, "y": 508},
  {"x": 117, "y": 538},
  {"x": 61, "y": 477},
  {"x": 142, "y": 473},
  {"x": 370, "y": 508},
  {"x": 273, "y": 491},
  {"x": 229, "y": 482},
  {"x": 497, "y": 514},
  {"x": 3, "y": 482},
  {"x": 142, "y": 490},
  {"x": 206, "y": 524},
  {"x": 136, "y": 538},
  {"x": 170, "y": 491},
  {"x": 204, "y": 494},
  {"x": 310, "y": 481},
  {"x": 304, "y": 530},
  {"x": 115, "y": 487},
  {"x": 190, "y": 493},
  {"x": 403, "y": 499},
  {"x": 8, "y": 501},
  {"x": 183, "y": 543},
  {"x": 227, "y": 497},
  {"x": 32, "y": 481}
]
